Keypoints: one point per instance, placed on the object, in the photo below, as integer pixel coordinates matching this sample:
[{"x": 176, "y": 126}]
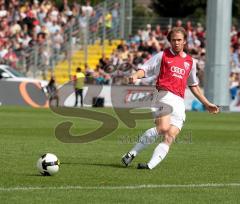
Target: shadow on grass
[
  {"x": 119, "y": 166},
  {"x": 34, "y": 175}
]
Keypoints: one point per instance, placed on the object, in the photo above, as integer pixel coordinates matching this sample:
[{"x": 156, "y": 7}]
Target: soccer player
[{"x": 174, "y": 70}]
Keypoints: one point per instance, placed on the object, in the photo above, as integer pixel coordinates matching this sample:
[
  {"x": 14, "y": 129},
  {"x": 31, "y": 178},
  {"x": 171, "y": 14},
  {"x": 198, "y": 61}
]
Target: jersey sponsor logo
[
  {"x": 178, "y": 70},
  {"x": 178, "y": 76}
]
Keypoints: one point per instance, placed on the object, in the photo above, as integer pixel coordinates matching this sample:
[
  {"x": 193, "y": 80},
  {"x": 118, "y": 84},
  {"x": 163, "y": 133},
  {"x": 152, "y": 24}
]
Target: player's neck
[{"x": 180, "y": 53}]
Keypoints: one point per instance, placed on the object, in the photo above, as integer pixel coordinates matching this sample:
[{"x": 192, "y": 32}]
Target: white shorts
[{"x": 178, "y": 115}]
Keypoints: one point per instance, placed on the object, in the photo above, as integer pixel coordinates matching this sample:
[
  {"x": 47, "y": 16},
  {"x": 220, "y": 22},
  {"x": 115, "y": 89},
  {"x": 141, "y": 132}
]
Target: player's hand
[
  {"x": 132, "y": 79},
  {"x": 212, "y": 108}
]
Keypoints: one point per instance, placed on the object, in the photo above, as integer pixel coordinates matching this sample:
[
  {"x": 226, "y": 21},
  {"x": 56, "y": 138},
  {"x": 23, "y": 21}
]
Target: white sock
[
  {"x": 147, "y": 138},
  {"x": 159, "y": 154}
]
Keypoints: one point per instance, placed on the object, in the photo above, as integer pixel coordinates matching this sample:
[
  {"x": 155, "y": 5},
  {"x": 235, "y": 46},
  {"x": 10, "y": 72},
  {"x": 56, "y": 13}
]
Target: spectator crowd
[
  {"x": 37, "y": 30},
  {"x": 24, "y": 24}
]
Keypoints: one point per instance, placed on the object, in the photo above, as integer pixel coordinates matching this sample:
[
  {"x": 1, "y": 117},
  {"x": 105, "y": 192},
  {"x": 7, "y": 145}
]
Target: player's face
[{"x": 177, "y": 42}]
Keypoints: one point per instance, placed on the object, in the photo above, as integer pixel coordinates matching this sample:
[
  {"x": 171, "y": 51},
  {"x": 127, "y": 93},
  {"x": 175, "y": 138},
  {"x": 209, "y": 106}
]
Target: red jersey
[
  {"x": 174, "y": 72},
  {"x": 171, "y": 72}
]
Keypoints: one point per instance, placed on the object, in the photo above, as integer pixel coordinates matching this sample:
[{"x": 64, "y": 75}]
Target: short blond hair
[{"x": 177, "y": 30}]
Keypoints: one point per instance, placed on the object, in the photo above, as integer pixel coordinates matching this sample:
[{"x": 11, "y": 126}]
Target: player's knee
[
  {"x": 168, "y": 139},
  {"x": 163, "y": 128}
]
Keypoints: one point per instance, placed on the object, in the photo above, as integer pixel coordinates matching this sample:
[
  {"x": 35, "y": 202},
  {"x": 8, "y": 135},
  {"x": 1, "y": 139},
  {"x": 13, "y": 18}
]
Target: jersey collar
[{"x": 184, "y": 54}]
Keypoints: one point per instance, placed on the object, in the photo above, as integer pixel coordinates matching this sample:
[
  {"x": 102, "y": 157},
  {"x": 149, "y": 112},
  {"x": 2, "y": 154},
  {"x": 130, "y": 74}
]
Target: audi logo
[{"x": 178, "y": 70}]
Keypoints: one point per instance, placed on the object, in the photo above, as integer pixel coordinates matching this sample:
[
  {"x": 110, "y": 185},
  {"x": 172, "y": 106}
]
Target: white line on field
[{"x": 36, "y": 188}]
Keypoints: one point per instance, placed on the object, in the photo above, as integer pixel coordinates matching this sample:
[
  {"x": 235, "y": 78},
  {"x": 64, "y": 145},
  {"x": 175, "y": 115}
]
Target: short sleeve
[{"x": 152, "y": 66}]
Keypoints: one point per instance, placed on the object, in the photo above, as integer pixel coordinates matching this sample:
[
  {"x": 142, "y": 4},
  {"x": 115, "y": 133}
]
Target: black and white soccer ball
[{"x": 48, "y": 164}]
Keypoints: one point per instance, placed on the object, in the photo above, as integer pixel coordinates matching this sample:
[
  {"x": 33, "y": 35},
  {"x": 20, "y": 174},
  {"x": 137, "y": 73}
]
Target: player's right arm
[{"x": 149, "y": 68}]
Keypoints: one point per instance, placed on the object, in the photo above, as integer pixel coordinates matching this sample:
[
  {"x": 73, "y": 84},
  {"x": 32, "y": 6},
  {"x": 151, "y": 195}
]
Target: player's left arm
[
  {"x": 195, "y": 89},
  {"x": 212, "y": 108}
]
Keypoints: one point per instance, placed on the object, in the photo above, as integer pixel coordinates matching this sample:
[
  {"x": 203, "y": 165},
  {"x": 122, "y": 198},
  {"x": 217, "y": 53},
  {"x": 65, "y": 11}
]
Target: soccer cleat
[
  {"x": 127, "y": 159},
  {"x": 142, "y": 166}
]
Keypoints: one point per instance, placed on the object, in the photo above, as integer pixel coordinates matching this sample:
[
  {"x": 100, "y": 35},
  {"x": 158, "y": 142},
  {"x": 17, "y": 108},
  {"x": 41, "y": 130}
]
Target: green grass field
[{"x": 203, "y": 166}]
